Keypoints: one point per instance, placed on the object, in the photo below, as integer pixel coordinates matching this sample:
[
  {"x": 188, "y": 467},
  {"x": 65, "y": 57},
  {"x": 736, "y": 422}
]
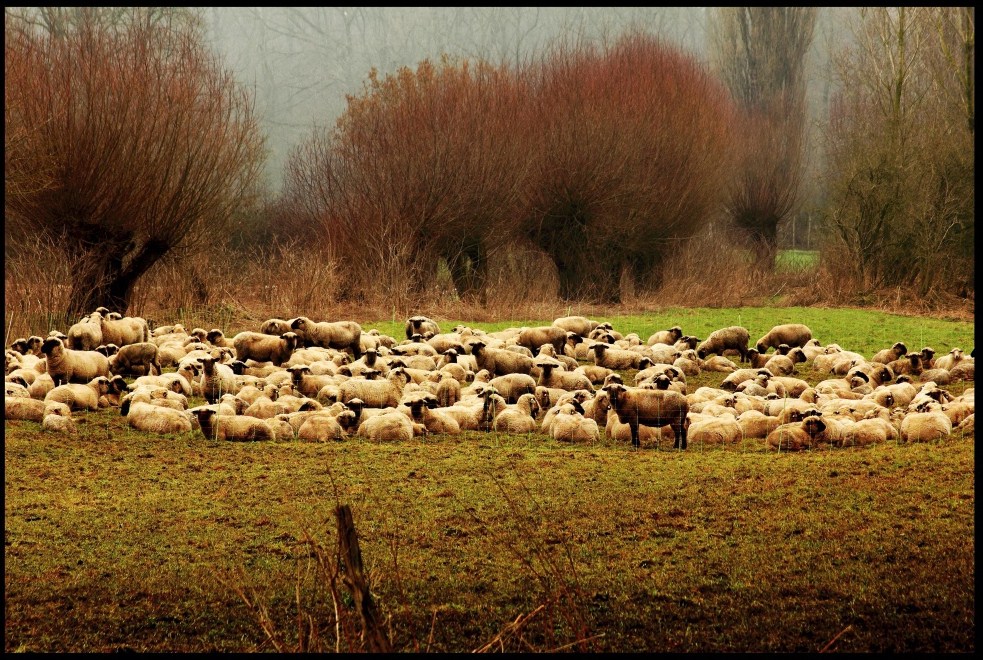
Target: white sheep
[
  {"x": 65, "y": 365},
  {"x": 570, "y": 425},
  {"x": 123, "y": 331},
  {"x": 390, "y": 426},
  {"x": 714, "y": 430},
  {"x": 929, "y": 424},
  {"x": 520, "y": 418},
  {"x": 80, "y": 397},
  {"x": 499, "y": 361},
  {"x": 889, "y": 355},
  {"x": 320, "y": 426},
  {"x": 732, "y": 338},
  {"x": 792, "y": 334},
  {"x": 232, "y": 427},
  {"x": 554, "y": 375},
  {"x": 153, "y": 418},
  {"x": 756, "y": 424},
  {"x": 580, "y": 325},
  {"x": 343, "y": 335},
  {"x": 619, "y": 359},
  {"x": 670, "y": 336},
  {"x": 424, "y": 409},
  {"x": 376, "y": 393},
  {"x": 139, "y": 359},
  {"x": 421, "y": 325},
  {"x": 265, "y": 348},
  {"x": 59, "y": 421},
  {"x": 86, "y": 335}
]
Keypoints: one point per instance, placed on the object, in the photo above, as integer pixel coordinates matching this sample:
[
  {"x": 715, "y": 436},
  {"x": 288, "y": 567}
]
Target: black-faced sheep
[
  {"x": 733, "y": 338},
  {"x": 343, "y": 335},
  {"x": 500, "y": 361},
  {"x": 793, "y": 334},
  {"x": 265, "y": 348},
  {"x": 670, "y": 336},
  {"x": 376, "y": 393},
  {"x": 65, "y": 365},
  {"x": 80, "y": 397},
  {"x": 619, "y": 359},
  {"x": 232, "y": 427},
  {"x": 421, "y": 325},
  {"x": 889, "y": 355},
  {"x": 555, "y": 376},
  {"x": 636, "y": 406}
]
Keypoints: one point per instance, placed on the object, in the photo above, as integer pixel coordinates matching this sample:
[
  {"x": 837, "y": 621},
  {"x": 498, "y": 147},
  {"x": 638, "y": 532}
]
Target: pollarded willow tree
[
  {"x": 760, "y": 52},
  {"x": 126, "y": 143},
  {"x": 631, "y": 146}
]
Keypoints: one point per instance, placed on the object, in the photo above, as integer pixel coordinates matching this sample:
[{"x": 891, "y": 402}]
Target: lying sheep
[
  {"x": 28, "y": 409},
  {"x": 80, "y": 397},
  {"x": 930, "y": 424},
  {"x": 265, "y": 348},
  {"x": 421, "y": 325},
  {"x": 570, "y": 425},
  {"x": 670, "y": 336},
  {"x": 733, "y": 338},
  {"x": 499, "y": 362},
  {"x": 889, "y": 355},
  {"x": 580, "y": 325},
  {"x": 950, "y": 359},
  {"x": 59, "y": 421},
  {"x": 793, "y": 436},
  {"x": 424, "y": 410},
  {"x": 554, "y": 376},
  {"x": 390, "y": 426},
  {"x": 520, "y": 418},
  {"x": 138, "y": 359},
  {"x": 320, "y": 426},
  {"x": 376, "y": 393},
  {"x": 756, "y": 424},
  {"x": 216, "y": 379},
  {"x": 784, "y": 365},
  {"x": 342, "y": 335},
  {"x": 152, "y": 418},
  {"x": 636, "y": 406},
  {"x": 713, "y": 430},
  {"x": 65, "y": 365},
  {"x": 792, "y": 334},
  {"x": 619, "y": 359},
  {"x": 232, "y": 427}
]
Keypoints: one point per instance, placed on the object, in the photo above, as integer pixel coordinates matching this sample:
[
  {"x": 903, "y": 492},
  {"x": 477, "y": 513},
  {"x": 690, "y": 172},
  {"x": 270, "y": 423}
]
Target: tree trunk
[
  {"x": 469, "y": 271},
  {"x": 106, "y": 276}
]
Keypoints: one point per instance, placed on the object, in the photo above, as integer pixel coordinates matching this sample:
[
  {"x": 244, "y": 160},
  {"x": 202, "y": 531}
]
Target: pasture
[{"x": 119, "y": 540}]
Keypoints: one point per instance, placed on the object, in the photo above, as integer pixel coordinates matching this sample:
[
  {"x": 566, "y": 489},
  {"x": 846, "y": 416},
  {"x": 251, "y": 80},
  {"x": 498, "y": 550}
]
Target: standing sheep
[
  {"x": 265, "y": 348},
  {"x": 580, "y": 325},
  {"x": 793, "y": 334},
  {"x": 533, "y": 338},
  {"x": 138, "y": 359},
  {"x": 65, "y": 365},
  {"x": 733, "y": 338},
  {"x": 635, "y": 406},
  {"x": 343, "y": 335}
]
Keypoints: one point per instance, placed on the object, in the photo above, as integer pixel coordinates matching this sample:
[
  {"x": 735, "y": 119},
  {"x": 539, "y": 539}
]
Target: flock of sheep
[{"x": 299, "y": 379}]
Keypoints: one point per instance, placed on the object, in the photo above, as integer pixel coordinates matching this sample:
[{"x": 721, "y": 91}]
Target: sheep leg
[{"x": 634, "y": 435}]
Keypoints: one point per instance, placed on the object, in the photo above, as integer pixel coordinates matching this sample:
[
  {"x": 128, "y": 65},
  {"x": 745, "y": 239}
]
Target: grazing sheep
[
  {"x": 342, "y": 335},
  {"x": 390, "y": 426},
  {"x": 232, "y": 427},
  {"x": 138, "y": 359},
  {"x": 421, "y": 325},
  {"x": 792, "y": 334},
  {"x": 265, "y": 348},
  {"x": 579, "y": 325},
  {"x": 80, "y": 397},
  {"x": 65, "y": 365},
  {"x": 153, "y": 418},
  {"x": 733, "y": 338},
  {"x": 889, "y": 355},
  {"x": 520, "y": 418},
  {"x": 636, "y": 406}
]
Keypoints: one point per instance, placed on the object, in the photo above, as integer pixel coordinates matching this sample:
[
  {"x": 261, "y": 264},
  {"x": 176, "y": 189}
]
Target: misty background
[{"x": 303, "y": 61}]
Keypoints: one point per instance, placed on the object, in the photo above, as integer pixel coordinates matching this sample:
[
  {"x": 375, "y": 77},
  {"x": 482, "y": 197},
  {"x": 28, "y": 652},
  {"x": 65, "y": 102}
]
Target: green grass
[
  {"x": 118, "y": 540},
  {"x": 797, "y": 259}
]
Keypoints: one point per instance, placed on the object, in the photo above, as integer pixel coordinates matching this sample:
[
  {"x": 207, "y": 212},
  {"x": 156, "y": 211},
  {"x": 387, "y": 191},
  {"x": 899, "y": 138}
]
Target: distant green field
[{"x": 797, "y": 259}]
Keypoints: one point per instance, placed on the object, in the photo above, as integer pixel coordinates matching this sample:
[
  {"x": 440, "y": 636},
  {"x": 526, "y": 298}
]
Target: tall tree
[
  {"x": 760, "y": 54},
  {"x": 126, "y": 143}
]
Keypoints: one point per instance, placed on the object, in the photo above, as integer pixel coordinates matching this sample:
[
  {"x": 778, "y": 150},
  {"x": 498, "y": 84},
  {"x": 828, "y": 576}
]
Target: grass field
[{"x": 116, "y": 540}]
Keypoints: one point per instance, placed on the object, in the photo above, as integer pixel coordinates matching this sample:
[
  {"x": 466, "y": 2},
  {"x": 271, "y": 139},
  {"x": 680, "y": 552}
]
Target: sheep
[
  {"x": 792, "y": 436},
  {"x": 569, "y": 425},
  {"x": 59, "y": 420},
  {"x": 619, "y": 359},
  {"x": 123, "y": 331},
  {"x": 216, "y": 379},
  {"x": 793, "y": 334},
  {"x": 718, "y": 363},
  {"x": 554, "y": 376},
  {"x": 580, "y": 325},
  {"x": 157, "y": 396},
  {"x": 650, "y": 408},
  {"x": 33, "y": 410},
  {"x": 929, "y": 424},
  {"x": 415, "y": 347},
  {"x": 910, "y": 364},
  {"x": 343, "y": 335},
  {"x": 520, "y": 418},
  {"x": 877, "y": 373},
  {"x": 321, "y": 426},
  {"x": 714, "y": 430},
  {"x": 670, "y": 336},
  {"x": 874, "y": 430},
  {"x": 65, "y": 365},
  {"x": 421, "y": 325},
  {"x": 784, "y": 365},
  {"x": 965, "y": 369},
  {"x": 949, "y": 360},
  {"x": 939, "y": 376},
  {"x": 29, "y": 346},
  {"x": 533, "y": 338},
  {"x": 889, "y": 355},
  {"x": 42, "y": 384},
  {"x": 85, "y": 335},
  {"x": 179, "y": 381},
  {"x": 732, "y": 338},
  {"x": 476, "y": 413},
  {"x": 927, "y": 355},
  {"x": 307, "y": 383},
  {"x": 390, "y": 425},
  {"x": 967, "y": 426},
  {"x": 618, "y": 431},
  {"x": 424, "y": 410},
  {"x": 138, "y": 359},
  {"x": 499, "y": 361},
  {"x": 265, "y": 348},
  {"x": 735, "y": 378},
  {"x": 80, "y": 397},
  {"x": 276, "y": 326},
  {"x": 152, "y": 418},
  {"x": 756, "y": 424},
  {"x": 512, "y": 386},
  {"x": 232, "y": 427},
  {"x": 376, "y": 393}
]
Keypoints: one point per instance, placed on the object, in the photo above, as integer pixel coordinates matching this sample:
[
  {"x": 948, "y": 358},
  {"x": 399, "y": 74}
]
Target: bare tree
[
  {"x": 760, "y": 54},
  {"x": 141, "y": 145}
]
